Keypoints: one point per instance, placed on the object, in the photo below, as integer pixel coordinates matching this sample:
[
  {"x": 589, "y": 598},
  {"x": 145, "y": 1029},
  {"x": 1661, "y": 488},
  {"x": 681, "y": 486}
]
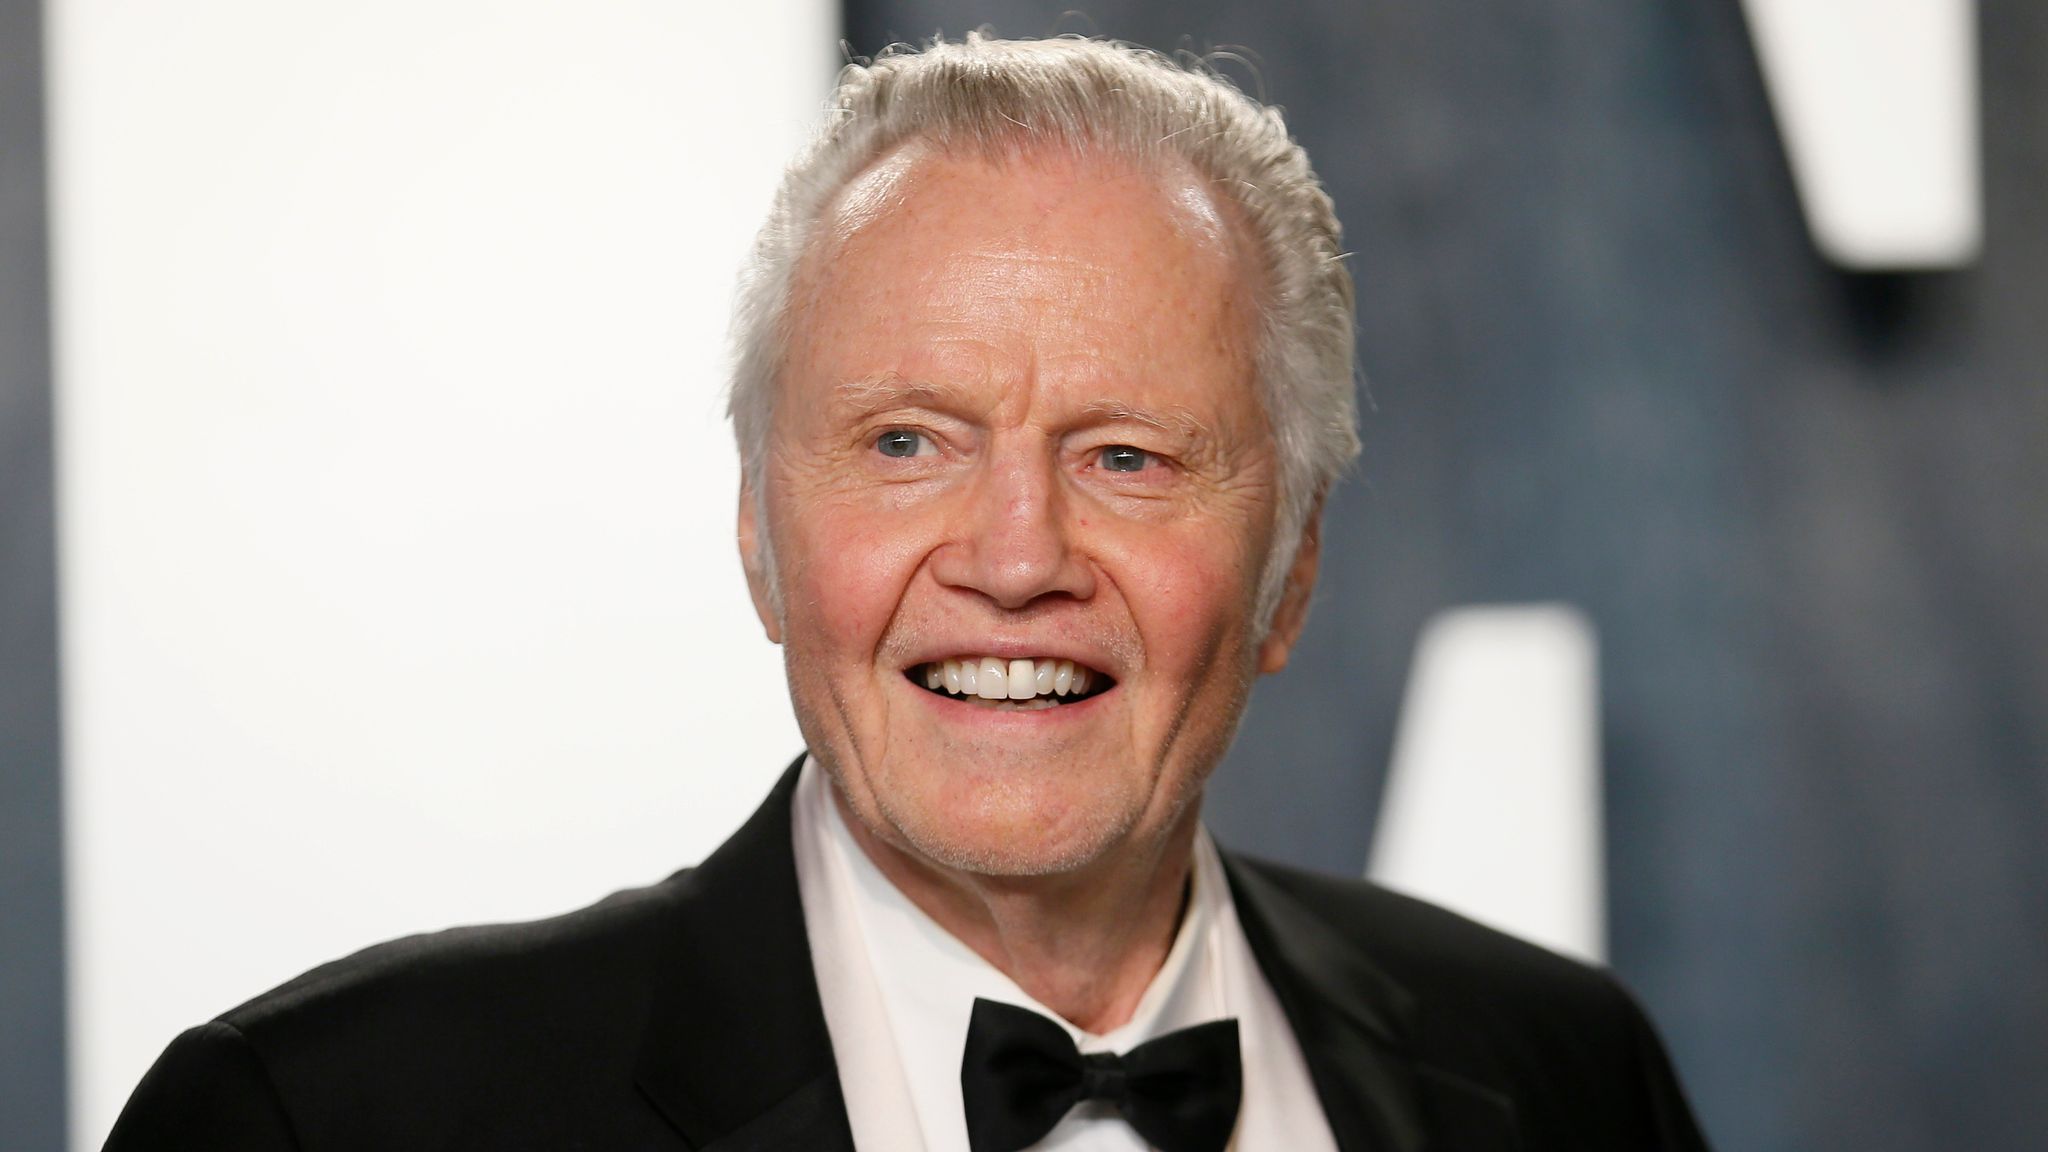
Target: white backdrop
[{"x": 398, "y": 581}]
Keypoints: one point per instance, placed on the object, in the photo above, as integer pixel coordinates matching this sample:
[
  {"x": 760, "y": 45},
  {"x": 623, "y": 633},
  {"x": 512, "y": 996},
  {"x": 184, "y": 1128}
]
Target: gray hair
[{"x": 990, "y": 96}]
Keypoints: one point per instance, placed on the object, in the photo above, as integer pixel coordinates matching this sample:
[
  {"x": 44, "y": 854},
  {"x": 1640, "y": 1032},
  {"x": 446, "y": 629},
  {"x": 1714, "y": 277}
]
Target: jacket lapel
[
  {"x": 1354, "y": 1023},
  {"x": 736, "y": 1054}
]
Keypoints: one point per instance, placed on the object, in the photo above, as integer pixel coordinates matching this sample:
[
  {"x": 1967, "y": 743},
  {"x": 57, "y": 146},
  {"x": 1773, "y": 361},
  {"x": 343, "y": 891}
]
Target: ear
[
  {"x": 753, "y": 559},
  {"x": 1292, "y": 611}
]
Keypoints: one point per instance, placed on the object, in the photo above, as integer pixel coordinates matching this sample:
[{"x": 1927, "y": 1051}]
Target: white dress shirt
[{"x": 898, "y": 990}]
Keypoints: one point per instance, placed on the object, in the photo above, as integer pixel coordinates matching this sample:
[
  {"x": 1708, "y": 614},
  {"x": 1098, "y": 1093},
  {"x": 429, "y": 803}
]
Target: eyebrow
[
  {"x": 1176, "y": 421},
  {"x": 871, "y": 394}
]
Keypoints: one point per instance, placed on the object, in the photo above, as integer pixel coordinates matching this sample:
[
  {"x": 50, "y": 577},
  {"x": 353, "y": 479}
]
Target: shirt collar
[{"x": 928, "y": 980}]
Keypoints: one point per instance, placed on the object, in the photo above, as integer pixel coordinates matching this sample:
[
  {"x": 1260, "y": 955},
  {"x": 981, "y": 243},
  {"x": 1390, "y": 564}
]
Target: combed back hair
[{"x": 1000, "y": 98}]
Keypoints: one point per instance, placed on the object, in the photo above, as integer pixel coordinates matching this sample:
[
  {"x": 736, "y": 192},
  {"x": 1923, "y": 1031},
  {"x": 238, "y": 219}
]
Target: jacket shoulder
[
  {"x": 1562, "y": 1042},
  {"x": 507, "y": 1035},
  {"x": 560, "y": 962},
  {"x": 1432, "y": 950}
]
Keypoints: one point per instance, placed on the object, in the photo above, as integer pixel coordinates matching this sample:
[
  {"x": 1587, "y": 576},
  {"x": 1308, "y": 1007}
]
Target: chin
[{"x": 998, "y": 827}]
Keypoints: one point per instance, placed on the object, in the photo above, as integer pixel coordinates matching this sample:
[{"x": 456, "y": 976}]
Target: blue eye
[
  {"x": 1124, "y": 458},
  {"x": 899, "y": 444}
]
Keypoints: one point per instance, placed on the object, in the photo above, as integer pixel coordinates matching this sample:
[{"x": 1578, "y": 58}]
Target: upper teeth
[{"x": 994, "y": 679}]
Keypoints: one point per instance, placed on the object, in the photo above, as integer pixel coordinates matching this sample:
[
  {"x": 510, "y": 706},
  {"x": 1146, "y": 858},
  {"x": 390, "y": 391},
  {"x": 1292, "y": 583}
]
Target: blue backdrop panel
[
  {"x": 31, "y": 890},
  {"x": 1807, "y": 510}
]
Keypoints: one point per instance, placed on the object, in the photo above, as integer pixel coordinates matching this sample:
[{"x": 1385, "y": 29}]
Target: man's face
[{"x": 1018, "y": 430}]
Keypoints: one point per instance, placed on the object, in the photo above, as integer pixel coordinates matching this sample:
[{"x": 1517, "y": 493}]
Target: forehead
[{"x": 1135, "y": 269}]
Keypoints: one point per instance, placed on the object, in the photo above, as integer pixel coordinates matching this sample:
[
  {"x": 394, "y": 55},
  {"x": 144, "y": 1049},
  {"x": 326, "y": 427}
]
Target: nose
[{"x": 1013, "y": 541}]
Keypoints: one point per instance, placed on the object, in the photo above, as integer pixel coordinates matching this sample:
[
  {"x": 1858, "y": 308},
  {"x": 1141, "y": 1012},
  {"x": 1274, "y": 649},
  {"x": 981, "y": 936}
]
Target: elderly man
[{"x": 1044, "y": 368}]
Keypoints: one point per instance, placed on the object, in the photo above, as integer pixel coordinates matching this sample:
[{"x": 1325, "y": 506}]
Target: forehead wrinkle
[{"x": 1012, "y": 254}]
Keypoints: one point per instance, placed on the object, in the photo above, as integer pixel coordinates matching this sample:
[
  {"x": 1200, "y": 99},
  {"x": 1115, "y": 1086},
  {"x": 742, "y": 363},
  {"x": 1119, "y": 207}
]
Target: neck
[{"x": 1085, "y": 944}]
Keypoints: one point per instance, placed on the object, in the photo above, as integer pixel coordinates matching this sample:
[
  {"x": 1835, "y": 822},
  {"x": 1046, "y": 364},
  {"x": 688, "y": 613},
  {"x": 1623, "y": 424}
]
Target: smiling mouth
[{"x": 1010, "y": 685}]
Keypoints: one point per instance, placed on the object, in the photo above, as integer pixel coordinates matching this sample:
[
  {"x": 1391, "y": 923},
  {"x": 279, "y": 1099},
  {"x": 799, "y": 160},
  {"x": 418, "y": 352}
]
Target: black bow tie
[{"x": 1022, "y": 1073}]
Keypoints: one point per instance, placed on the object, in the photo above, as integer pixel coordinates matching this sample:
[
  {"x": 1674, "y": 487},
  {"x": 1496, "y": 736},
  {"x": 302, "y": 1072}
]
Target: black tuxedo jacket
[{"x": 686, "y": 1016}]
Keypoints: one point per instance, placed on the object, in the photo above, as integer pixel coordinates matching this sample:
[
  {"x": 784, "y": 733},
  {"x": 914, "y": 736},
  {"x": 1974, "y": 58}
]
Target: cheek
[
  {"x": 845, "y": 569},
  {"x": 1186, "y": 592}
]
